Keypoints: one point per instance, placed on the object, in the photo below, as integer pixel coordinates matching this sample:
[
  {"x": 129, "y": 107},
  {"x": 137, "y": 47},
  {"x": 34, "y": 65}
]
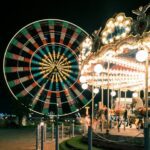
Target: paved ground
[
  {"x": 24, "y": 139},
  {"x": 17, "y": 139}
]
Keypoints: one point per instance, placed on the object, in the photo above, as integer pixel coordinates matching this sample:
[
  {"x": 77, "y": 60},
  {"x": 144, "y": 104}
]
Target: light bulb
[
  {"x": 141, "y": 55},
  {"x": 98, "y": 68},
  {"x": 84, "y": 86},
  {"x": 82, "y": 79},
  {"x": 95, "y": 90}
]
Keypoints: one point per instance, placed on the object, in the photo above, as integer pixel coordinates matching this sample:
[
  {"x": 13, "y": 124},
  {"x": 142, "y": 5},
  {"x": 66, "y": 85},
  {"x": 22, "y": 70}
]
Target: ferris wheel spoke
[
  {"x": 44, "y": 55},
  {"x": 27, "y": 90},
  {"x": 21, "y": 46},
  {"x": 61, "y": 82},
  {"x": 56, "y": 81},
  {"x": 36, "y": 98},
  {"x": 81, "y": 97},
  {"x": 19, "y": 81},
  {"x": 41, "y": 66},
  {"x": 47, "y": 103},
  {"x": 59, "y": 53},
  {"x": 16, "y": 69},
  {"x": 17, "y": 57},
  {"x": 63, "y": 32},
  {"x": 38, "y": 28},
  {"x": 70, "y": 100},
  {"x": 29, "y": 37},
  {"x": 51, "y": 28},
  {"x": 58, "y": 101},
  {"x": 51, "y": 83},
  {"x": 74, "y": 37},
  {"x": 68, "y": 76}
]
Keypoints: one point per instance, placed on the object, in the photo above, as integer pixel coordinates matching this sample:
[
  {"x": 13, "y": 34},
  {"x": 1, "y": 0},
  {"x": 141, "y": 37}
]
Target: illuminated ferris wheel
[{"x": 41, "y": 67}]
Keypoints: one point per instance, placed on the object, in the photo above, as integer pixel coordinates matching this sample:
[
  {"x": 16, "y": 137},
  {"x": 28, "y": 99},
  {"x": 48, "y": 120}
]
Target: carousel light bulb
[
  {"x": 109, "y": 23},
  {"x": 141, "y": 55},
  {"x": 95, "y": 90},
  {"x": 84, "y": 86},
  {"x": 135, "y": 94},
  {"x": 98, "y": 68},
  {"x": 127, "y": 29},
  {"x": 82, "y": 79},
  {"x": 120, "y": 18},
  {"x": 104, "y": 33},
  {"x": 127, "y": 22},
  {"x": 87, "y": 43}
]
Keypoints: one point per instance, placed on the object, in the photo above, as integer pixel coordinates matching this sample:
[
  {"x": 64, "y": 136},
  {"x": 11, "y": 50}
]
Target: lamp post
[
  {"x": 57, "y": 130},
  {"x": 97, "y": 69},
  {"x": 42, "y": 135},
  {"x": 142, "y": 56}
]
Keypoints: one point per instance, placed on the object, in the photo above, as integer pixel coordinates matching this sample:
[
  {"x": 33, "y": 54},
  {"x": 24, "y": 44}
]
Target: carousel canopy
[{"x": 123, "y": 54}]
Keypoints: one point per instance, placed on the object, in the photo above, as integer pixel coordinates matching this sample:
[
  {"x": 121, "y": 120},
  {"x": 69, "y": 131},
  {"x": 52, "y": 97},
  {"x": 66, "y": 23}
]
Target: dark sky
[{"x": 88, "y": 14}]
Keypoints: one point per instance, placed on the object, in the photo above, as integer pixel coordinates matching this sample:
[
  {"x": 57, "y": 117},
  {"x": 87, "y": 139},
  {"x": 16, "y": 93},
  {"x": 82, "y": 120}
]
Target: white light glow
[
  {"x": 120, "y": 18},
  {"x": 87, "y": 43},
  {"x": 82, "y": 79},
  {"x": 95, "y": 90},
  {"x": 141, "y": 55},
  {"x": 42, "y": 124},
  {"x": 113, "y": 93},
  {"x": 135, "y": 94},
  {"x": 98, "y": 68},
  {"x": 84, "y": 86}
]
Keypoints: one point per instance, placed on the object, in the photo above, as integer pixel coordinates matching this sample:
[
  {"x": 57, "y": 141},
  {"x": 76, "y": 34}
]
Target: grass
[{"x": 75, "y": 144}]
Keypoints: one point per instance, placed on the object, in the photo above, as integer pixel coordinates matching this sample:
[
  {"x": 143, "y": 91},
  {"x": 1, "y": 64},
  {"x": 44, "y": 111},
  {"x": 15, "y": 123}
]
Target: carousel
[{"x": 116, "y": 59}]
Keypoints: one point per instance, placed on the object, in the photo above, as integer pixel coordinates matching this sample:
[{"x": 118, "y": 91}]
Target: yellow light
[
  {"x": 109, "y": 23},
  {"x": 127, "y": 22},
  {"x": 120, "y": 18}
]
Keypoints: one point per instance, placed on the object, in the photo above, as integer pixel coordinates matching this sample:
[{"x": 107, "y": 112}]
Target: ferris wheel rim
[{"x": 17, "y": 33}]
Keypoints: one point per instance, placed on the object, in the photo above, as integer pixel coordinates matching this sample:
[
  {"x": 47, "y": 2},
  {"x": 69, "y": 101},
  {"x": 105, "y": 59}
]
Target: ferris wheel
[{"x": 41, "y": 67}]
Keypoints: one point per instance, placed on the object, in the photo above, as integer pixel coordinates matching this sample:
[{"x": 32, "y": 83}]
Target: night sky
[{"x": 89, "y": 15}]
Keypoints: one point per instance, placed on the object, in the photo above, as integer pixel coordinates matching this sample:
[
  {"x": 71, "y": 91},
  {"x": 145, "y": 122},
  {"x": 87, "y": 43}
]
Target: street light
[
  {"x": 143, "y": 56},
  {"x": 97, "y": 69}
]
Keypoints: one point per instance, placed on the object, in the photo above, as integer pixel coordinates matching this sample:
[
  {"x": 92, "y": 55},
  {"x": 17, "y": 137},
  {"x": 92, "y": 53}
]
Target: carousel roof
[{"x": 117, "y": 54}]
